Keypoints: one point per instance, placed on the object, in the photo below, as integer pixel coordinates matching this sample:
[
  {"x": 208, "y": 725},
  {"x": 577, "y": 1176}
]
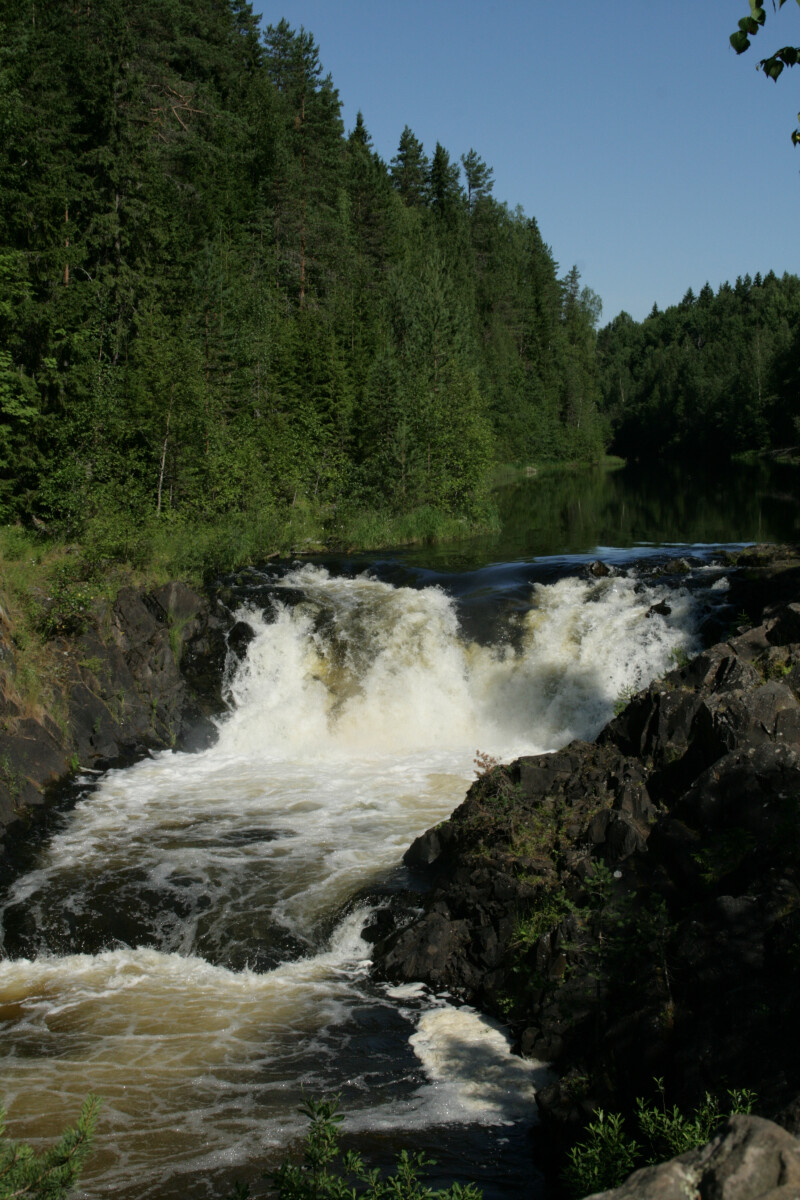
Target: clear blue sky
[{"x": 651, "y": 156}]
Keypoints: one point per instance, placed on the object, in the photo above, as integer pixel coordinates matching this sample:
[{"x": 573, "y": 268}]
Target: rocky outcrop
[
  {"x": 749, "y": 1159},
  {"x": 144, "y": 674},
  {"x": 632, "y": 906}
]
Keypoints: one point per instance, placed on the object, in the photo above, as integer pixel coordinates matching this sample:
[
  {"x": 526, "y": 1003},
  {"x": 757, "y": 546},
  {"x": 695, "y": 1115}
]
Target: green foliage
[
  {"x": 604, "y": 1160},
  {"x": 547, "y": 914},
  {"x": 724, "y": 853},
  {"x": 679, "y": 658},
  {"x": 608, "y": 1154},
  {"x": 326, "y": 1171},
  {"x": 713, "y": 376},
  {"x": 69, "y": 604},
  {"x": 773, "y": 65},
  {"x": 623, "y": 699},
  {"x": 50, "y": 1174},
  {"x": 217, "y": 307},
  {"x": 12, "y": 782}
]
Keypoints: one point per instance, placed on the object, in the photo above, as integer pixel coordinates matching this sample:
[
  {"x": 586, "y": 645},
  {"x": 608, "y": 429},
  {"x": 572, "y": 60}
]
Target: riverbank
[
  {"x": 631, "y": 906},
  {"x": 175, "y": 622},
  {"x": 117, "y": 677},
  {"x": 114, "y": 646}
]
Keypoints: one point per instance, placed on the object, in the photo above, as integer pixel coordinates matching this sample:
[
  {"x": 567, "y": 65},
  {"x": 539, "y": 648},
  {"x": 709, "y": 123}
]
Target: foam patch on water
[
  {"x": 471, "y": 1075},
  {"x": 469, "y": 1061}
]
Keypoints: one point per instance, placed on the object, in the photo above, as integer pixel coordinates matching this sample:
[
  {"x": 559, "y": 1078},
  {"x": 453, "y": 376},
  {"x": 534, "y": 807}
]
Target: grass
[
  {"x": 508, "y": 473},
  {"x": 49, "y": 586},
  {"x": 29, "y": 669},
  {"x": 159, "y": 550}
]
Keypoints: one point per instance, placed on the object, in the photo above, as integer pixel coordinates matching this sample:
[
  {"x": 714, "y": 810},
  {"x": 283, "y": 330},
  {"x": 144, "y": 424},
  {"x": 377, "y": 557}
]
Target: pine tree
[
  {"x": 479, "y": 178},
  {"x": 444, "y": 186},
  {"x": 410, "y": 170},
  {"x": 48, "y": 1175}
]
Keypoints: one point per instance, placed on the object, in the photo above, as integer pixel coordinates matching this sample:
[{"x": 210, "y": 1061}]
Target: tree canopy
[
  {"x": 215, "y": 299},
  {"x": 717, "y": 374}
]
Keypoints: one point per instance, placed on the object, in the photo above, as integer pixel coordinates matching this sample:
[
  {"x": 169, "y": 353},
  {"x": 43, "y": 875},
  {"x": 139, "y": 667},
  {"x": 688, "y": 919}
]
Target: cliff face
[
  {"x": 632, "y": 906},
  {"x": 145, "y": 674}
]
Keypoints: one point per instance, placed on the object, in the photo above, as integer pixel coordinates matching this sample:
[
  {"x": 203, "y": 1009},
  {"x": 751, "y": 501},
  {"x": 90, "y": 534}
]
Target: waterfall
[{"x": 189, "y": 944}]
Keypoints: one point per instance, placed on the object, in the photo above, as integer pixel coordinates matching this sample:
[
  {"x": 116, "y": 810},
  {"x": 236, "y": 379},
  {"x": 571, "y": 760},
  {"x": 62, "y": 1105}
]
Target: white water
[{"x": 202, "y": 888}]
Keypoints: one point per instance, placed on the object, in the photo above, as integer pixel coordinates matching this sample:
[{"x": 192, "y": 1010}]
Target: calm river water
[{"x": 188, "y": 944}]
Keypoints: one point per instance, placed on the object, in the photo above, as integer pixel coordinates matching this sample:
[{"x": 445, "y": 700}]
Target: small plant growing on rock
[
  {"x": 678, "y": 658},
  {"x": 623, "y": 699},
  {"x": 484, "y": 764},
  {"x": 542, "y": 919},
  {"x": 604, "y": 1160},
  {"x": 609, "y": 1153}
]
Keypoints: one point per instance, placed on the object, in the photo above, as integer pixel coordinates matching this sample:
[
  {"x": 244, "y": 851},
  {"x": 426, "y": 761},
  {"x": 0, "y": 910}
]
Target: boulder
[
  {"x": 633, "y": 904},
  {"x": 749, "y": 1159}
]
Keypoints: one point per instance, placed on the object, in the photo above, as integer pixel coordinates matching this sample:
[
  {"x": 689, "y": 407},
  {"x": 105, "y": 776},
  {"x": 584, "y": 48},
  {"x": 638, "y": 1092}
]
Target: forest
[
  {"x": 714, "y": 376},
  {"x": 217, "y": 301},
  {"x": 217, "y": 305}
]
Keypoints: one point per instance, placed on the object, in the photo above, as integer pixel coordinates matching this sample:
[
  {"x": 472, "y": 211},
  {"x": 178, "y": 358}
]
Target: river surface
[{"x": 188, "y": 943}]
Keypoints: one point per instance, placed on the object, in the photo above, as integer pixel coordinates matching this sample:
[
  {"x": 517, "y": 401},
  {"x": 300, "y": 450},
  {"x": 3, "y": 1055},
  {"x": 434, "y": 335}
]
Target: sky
[{"x": 651, "y": 156}]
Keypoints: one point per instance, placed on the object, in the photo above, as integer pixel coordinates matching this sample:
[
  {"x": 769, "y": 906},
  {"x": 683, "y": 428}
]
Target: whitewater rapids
[{"x": 189, "y": 946}]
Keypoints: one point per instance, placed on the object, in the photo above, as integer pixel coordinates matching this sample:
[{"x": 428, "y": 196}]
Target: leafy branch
[
  {"x": 49, "y": 1175},
  {"x": 772, "y": 66},
  {"x": 326, "y": 1172}
]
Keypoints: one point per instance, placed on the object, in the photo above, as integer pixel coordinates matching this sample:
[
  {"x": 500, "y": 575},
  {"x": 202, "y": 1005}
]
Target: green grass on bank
[
  {"x": 508, "y": 473},
  {"x": 49, "y": 586}
]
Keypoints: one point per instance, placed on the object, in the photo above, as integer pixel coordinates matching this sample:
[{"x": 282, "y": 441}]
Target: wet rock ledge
[
  {"x": 631, "y": 906},
  {"x": 145, "y": 674}
]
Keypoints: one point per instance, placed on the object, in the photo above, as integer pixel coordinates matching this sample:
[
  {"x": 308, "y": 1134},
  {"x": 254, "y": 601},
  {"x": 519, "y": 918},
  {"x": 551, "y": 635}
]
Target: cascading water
[{"x": 188, "y": 946}]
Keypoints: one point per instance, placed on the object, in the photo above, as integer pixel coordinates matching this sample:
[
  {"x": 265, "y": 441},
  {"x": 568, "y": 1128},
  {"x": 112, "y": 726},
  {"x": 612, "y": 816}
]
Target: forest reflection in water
[
  {"x": 582, "y": 510},
  {"x": 574, "y": 511}
]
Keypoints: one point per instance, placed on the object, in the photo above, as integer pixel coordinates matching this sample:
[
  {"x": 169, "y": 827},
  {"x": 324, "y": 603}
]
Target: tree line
[
  {"x": 214, "y": 299},
  {"x": 717, "y": 374}
]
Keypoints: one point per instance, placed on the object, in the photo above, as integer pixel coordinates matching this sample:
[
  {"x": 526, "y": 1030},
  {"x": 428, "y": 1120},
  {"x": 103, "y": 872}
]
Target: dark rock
[
  {"x": 662, "y": 610},
  {"x": 427, "y": 848},
  {"x": 240, "y": 637},
  {"x": 623, "y": 837},
  {"x": 785, "y": 627},
  {"x": 145, "y": 674},
  {"x": 632, "y": 905},
  {"x": 789, "y": 1117},
  {"x": 431, "y": 950}
]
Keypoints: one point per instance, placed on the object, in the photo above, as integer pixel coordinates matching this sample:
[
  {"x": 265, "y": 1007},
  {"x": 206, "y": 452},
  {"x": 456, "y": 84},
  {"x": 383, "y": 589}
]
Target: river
[{"x": 188, "y": 943}]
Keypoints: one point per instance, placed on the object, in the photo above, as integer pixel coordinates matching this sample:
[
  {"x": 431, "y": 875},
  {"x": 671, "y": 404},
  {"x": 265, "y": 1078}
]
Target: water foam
[{"x": 355, "y": 720}]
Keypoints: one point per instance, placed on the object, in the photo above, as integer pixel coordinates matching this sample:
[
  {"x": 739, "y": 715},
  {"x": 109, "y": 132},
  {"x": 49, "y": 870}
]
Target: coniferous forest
[
  {"x": 716, "y": 375},
  {"x": 215, "y": 300}
]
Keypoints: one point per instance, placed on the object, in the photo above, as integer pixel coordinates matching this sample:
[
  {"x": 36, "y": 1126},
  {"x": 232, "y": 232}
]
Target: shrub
[
  {"x": 609, "y": 1154},
  {"x": 326, "y": 1172}
]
